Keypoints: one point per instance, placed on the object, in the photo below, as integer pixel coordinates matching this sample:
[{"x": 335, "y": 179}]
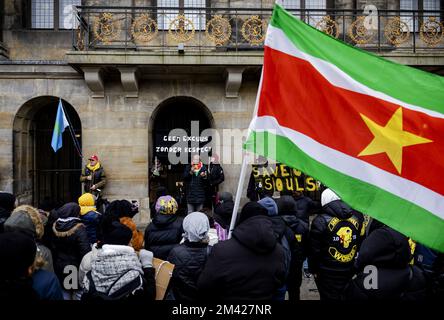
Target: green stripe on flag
[
  {"x": 407, "y": 84},
  {"x": 402, "y": 215}
]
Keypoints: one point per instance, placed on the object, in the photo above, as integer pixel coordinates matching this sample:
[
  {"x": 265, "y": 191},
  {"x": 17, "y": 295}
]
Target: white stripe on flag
[
  {"x": 350, "y": 166},
  {"x": 277, "y": 40}
]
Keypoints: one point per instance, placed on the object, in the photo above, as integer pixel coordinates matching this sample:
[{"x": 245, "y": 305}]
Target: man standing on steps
[{"x": 93, "y": 176}]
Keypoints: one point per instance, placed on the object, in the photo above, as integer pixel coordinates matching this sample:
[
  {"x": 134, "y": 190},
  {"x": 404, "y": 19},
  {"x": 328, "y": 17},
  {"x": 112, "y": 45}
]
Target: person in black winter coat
[
  {"x": 224, "y": 210},
  {"x": 388, "y": 251},
  {"x": 189, "y": 258},
  {"x": 196, "y": 177},
  {"x": 70, "y": 241},
  {"x": 304, "y": 206},
  {"x": 250, "y": 265},
  {"x": 284, "y": 236},
  {"x": 299, "y": 246},
  {"x": 7, "y": 205},
  {"x": 165, "y": 230},
  {"x": 215, "y": 177},
  {"x": 17, "y": 254},
  {"x": 334, "y": 242}
]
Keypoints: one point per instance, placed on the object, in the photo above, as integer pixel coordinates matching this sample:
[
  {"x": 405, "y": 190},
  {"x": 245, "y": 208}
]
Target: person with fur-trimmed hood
[
  {"x": 27, "y": 219},
  {"x": 117, "y": 272},
  {"x": 70, "y": 242},
  {"x": 165, "y": 230},
  {"x": 335, "y": 236},
  {"x": 90, "y": 216}
]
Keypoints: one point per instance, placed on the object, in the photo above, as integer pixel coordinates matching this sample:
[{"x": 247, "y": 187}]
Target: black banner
[{"x": 280, "y": 177}]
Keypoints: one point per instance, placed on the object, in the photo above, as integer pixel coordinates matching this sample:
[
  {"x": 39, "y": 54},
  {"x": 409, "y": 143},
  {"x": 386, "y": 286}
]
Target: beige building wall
[{"x": 118, "y": 128}]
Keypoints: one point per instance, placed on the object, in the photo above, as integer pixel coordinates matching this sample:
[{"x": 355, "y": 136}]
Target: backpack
[{"x": 93, "y": 295}]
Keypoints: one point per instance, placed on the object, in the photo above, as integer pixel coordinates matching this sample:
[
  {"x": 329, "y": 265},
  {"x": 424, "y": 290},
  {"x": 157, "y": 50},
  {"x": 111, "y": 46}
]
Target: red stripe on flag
[{"x": 300, "y": 98}]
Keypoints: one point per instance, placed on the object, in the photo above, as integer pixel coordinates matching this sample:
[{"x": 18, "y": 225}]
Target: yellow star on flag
[{"x": 390, "y": 139}]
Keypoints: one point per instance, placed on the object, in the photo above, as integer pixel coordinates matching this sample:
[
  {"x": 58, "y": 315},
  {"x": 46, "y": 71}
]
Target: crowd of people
[{"x": 262, "y": 260}]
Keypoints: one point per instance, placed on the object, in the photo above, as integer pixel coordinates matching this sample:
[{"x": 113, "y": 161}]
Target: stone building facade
[{"x": 115, "y": 90}]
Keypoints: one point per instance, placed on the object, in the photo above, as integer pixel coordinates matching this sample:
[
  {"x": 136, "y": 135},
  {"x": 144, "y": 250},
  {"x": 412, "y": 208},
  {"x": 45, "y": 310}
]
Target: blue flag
[{"x": 59, "y": 126}]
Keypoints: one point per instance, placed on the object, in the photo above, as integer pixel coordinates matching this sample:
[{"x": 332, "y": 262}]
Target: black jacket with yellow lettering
[{"x": 335, "y": 237}]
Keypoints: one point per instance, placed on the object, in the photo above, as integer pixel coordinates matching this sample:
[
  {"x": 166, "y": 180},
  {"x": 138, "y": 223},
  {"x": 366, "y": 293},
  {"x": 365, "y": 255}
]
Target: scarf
[
  {"x": 85, "y": 209},
  {"x": 93, "y": 168},
  {"x": 197, "y": 167}
]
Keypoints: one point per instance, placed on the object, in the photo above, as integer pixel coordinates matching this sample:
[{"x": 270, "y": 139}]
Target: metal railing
[{"x": 236, "y": 29}]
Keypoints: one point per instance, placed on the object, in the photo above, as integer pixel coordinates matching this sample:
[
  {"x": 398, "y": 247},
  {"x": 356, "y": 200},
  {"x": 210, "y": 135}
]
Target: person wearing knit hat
[
  {"x": 17, "y": 254},
  {"x": 89, "y": 215},
  {"x": 116, "y": 272},
  {"x": 251, "y": 209},
  {"x": 189, "y": 257},
  {"x": 120, "y": 235},
  {"x": 269, "y": 204},
  {"x": 166, "y": 205},
  {"x": 7, "y": 204},
  {"x": 165, "y": 230}
]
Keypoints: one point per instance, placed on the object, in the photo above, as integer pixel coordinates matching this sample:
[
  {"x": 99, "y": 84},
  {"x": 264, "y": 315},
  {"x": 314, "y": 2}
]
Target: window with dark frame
[
  {"x": 407, "y": 17},
  {"x": 314, "y": 16},
  {"x": 53, "y": 14},
  {"x": 198, "y": 17}
]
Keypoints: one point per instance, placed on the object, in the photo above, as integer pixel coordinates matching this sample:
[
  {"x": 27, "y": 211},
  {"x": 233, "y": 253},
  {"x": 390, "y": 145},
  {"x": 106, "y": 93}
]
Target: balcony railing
[{"x": 236, "y": 29}]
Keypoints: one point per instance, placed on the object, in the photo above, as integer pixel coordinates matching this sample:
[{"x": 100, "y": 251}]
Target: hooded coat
[
  {"x": 7, "y": 203},
  {"x": 304, "y": 206},
  {"x": 18, "y": 250},
  {"x": 335, "y": 237},
  {"x": 27, "y": 219},
  {"x": 224, "y": 210},
  {"x": 90, "y": 216},
  {"x": 389, "y": 251},
  {"x": 189, "y": 258},
  {"x": 70, "y": 242},
  {"x": 249, "y": 266},
  {"x": 162, "y": 234},
  {"x": 299, "y": 244}
]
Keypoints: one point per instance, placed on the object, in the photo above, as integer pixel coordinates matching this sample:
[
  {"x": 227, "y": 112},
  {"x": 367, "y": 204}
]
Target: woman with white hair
[{"x": 189, "y": 257}]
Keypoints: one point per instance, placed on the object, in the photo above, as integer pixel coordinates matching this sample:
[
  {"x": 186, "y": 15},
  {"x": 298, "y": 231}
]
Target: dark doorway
[
  {"x": 177, "y": 112},
  {"x": 54, "y": 176}
]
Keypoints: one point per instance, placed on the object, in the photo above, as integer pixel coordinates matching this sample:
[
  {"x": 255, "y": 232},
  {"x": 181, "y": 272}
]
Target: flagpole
[
  {"x": 71, "y": 131},
  {"x": 240, "y": 185}
]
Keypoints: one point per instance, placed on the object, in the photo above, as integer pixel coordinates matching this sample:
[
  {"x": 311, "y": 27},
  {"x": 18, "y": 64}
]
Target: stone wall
[{"x": 117, "y": 128}]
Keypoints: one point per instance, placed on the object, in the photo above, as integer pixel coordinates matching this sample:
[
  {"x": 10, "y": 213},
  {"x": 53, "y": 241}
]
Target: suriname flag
[{"x": 370, "y": 129}]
